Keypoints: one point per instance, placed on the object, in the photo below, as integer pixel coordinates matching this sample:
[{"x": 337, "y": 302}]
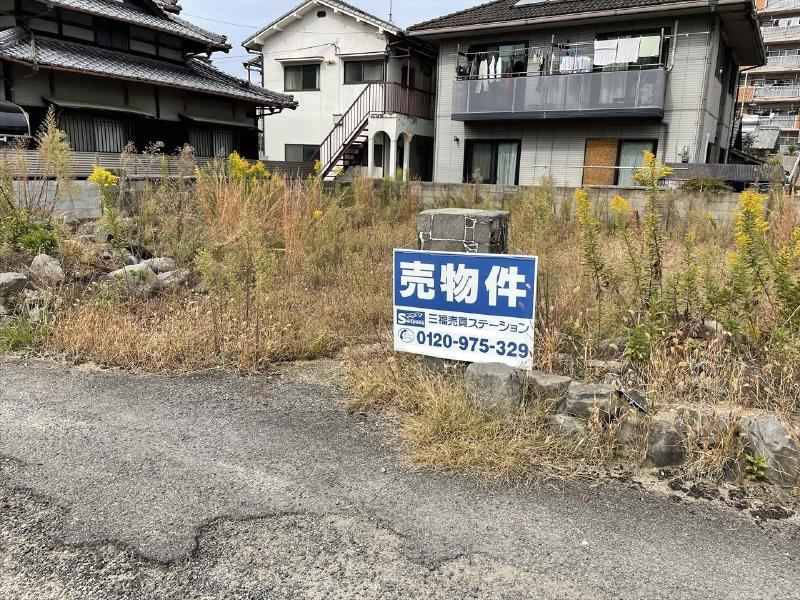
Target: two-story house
[
  {"x": 120, "y": 71},
  {"x": 364, "y": 91},
  {"x": 575, "y": 91}
]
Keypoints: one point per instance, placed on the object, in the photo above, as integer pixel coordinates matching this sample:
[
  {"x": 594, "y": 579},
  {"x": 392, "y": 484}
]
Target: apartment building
[
  {"x": 575, "y": 91},
  {"x": 770, "y": 94}
]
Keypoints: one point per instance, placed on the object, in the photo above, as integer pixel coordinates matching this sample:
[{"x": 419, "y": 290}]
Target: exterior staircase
[{"x": 350, "y": 135}]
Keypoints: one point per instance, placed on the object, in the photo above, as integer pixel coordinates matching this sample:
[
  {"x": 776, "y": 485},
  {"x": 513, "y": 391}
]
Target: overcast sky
[{"x": 238, "y": 19}]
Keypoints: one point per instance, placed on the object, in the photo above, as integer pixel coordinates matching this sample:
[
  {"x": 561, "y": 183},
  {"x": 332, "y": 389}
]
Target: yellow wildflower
[{"x": 103, "y": 177}]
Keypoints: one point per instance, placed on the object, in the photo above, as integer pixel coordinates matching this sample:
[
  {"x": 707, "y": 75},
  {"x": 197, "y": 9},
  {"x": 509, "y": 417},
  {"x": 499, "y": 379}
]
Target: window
[
  {"x": 212, "y": 141},
  {"x": 610, "y": 161},
  {"x": 301, "y": 152},
  {"x": 363, "y": 71},
  {"x": 631, "y": 155},
  {"x": 91, "y": 133},
  {"x": 492, "y": 161},
  {"x": 301, "y": 78},
  {"x": 111, "y": 34}
]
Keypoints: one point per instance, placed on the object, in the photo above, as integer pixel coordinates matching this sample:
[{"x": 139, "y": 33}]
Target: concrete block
[
  {"x": 582, "y": 398},
  {"x": 463, "y": 230}
]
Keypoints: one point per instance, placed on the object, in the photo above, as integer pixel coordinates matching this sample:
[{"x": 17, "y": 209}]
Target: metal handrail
[{"x": 376, "y": 98}]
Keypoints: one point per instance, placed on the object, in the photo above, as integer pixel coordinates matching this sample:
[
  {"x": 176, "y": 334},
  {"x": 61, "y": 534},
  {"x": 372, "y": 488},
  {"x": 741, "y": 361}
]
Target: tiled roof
[
  {"x": 336, "y": 4},
  {"x": 507, "y": 10},
  {"x": 166, "y": 22},
  {"x": 194, "y": 75},
  {"x": 169, "y": 5}
]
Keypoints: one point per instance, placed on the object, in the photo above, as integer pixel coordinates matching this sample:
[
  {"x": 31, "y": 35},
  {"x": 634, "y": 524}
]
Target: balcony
[
  {"x": 636, "y": 93},
  {"x": 780, "y": 121},
  {"x": 777, "y": 6},
  {"x": 775, "y": 92},
  {"x": 781, "y": 33},
  {"x": 790, "y": 61}
]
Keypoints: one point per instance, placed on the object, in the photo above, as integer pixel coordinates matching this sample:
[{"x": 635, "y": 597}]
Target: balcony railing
[
  {"x": 635, "y": 93},
  {"x": 791, "y": 60},
  {"x": 781, "y": 5},
  {"x": 780, "y": 33},
  {"x": 777, "y": 91},
  {"x": 782, "y": 121}
]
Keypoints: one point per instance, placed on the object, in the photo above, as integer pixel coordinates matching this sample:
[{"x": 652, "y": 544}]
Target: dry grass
[
  {"x": 291, "y": 271},
  {"x": 442, "y": 428}
]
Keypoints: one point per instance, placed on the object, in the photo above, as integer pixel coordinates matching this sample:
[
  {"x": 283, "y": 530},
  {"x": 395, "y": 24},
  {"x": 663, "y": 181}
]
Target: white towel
[
  {"x": 605, "y": 52},
  {"x": 567, "y": 64},
  {"x": 628, "y": 50},
  {"x": 499, "y": 67},
  {"x": 483, "y": 73},
  {"x": 583, "y": 64},
  {"x": 650, "y": 46},
  {"x": 493, "y": 68}
]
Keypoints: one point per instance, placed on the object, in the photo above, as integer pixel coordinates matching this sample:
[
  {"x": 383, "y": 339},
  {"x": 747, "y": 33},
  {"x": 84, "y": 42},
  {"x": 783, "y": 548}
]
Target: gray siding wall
[{"x": 555, "y": 149}]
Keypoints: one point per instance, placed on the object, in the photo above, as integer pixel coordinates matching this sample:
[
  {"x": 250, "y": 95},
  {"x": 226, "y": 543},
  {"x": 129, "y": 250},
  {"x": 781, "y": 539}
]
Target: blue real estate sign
[{"x": 467, "y": 307}]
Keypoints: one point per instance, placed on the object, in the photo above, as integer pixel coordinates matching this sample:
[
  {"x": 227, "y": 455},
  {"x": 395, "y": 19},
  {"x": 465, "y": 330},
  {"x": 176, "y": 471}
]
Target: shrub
[{"x": 708, "y": 185}]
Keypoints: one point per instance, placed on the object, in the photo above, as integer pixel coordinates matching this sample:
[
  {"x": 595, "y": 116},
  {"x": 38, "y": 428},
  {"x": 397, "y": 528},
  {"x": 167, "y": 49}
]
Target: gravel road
[{"x": 116, "y": 485}]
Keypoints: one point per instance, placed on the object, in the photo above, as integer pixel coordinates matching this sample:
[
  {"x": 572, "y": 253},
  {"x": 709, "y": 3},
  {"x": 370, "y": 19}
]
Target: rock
[
  {"x": 665, "y": 443},
  {"x": 566, "y": 425},
  {"x": 705, "y": 426},
  {"x": 47, "y": 270},
  {"x": 547, "y": 386},
  {"x": 11, "y": 283},
  {"x": 139, "y": 279},
  {"x": 494, "y": 386},
  {"x": 767, "y": 437},
  {"x": 583, "y": 397},
  {"x": 606, "y": 366},
  {"x": 678, "y": 485},
  {"x": 174, "y": 279},
  {"x": 129, "y": 259},
  {"x": 161, "y": 265},
  {"x": 771, "y": 511},
  {"x": 703, "y": 491},
  {"x": 632, "y": 429}
]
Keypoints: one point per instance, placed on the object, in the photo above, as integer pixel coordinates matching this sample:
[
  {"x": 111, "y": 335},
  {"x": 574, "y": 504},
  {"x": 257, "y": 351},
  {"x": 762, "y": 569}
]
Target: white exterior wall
[
  {"x": 556, "y": 148},
  {"x": 333, "y": 37}
]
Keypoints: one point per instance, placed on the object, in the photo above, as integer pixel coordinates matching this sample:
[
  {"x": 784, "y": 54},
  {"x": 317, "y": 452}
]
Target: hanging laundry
[
  {"x": 567, "y": 64},
  {"x": 493, "y": 68},
  {"x": 473, "y": 68},
  {"x": 499, "y": 68},
  {"x": 650, "y": 46},
  {"x": 605, "y": 52},
  {"x": 535, "y": 61},
  {"x": 628, "y": 50},
  {"x": 583, "y": 64},
  {"x": 483, "y": 73}
]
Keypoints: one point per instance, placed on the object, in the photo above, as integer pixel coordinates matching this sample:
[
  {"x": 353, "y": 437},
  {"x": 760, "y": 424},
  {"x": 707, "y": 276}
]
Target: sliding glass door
[{"x": 492, "y": 161}]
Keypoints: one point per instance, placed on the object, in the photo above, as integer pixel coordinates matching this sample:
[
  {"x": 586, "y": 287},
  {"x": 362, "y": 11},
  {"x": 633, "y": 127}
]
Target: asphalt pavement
[{"x": 118, "y": 485}]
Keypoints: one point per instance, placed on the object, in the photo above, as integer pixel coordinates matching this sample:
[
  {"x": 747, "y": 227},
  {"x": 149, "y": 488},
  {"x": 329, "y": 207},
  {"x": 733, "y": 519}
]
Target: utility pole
[{"x": 390, "y": 11}]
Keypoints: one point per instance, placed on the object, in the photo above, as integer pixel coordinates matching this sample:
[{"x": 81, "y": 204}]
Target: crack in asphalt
[{"x": 233, "y": 487}]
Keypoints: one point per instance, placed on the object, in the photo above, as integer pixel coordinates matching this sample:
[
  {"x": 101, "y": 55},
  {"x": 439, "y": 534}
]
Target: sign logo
[
  {"x": 411, "y": 318},
  {"x": 406, "y": 336}
]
